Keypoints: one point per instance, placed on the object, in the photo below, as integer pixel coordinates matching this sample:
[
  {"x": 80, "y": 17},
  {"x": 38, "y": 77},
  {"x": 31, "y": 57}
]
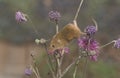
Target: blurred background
[{"x": 17, "y": 39}]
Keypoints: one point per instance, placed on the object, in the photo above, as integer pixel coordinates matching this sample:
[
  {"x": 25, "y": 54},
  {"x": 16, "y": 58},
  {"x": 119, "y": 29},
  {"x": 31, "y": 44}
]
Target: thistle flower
[
  {"x": 86, "y": 43},
  {"x": 89, "y": 45},
  {"x": 54, "y": 16},
  {"x": 28, "y": 71},
  {"x": 20, "y": 17},
  {"x": 117, "y": 43},
  {"x": 90, "y": 30}
]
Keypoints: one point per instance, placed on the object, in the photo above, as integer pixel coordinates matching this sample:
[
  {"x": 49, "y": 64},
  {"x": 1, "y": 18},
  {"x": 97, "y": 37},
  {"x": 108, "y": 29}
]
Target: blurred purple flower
[
  {"x": 117, "y": 43},
  {"x": 90, "y": 30},
  {"x": 67, "y": 50},
  {"x": 93, "y": 57},
  {"x": 89, "y": 45},
  {"x": 28, "y": 71},
  {"x": 54, "y": 16},
  {"x": 20, "y": 17}
]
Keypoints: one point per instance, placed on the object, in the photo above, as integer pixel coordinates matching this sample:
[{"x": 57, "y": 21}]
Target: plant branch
[
  {"x": 69, "y": 66},
  {"x": 76, "y": 67},
  {"x": 107, "y": 44},
  {"x": 35, "y": 72},
  {"x": 57, "y": 28},
  {"x": 84, "y": 72}
]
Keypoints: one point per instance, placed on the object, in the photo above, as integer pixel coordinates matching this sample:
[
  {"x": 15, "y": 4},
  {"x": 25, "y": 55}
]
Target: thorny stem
[
  {"x": 76, "y": 15},
  {"x": 107, "y": 44}
]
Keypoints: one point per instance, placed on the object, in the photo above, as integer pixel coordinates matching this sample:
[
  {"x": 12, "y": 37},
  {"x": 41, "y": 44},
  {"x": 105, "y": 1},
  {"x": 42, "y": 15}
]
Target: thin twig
[
  {"x": 58, "y": 65},
  {"x": 107, "y": 44},
  {"x": 59, "y": 68},
  {"x": 35, "y": 72},
  {"x": 69, "y": 66},
  {"x": 78, "y": 10},
  {"x": 62, "y": 56},
  {"x": 58, "y": 60}
]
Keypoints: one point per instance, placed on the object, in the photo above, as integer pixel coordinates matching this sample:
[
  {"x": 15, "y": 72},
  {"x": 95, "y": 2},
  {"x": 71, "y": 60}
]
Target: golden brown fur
[{"x": 61, "y": 39}]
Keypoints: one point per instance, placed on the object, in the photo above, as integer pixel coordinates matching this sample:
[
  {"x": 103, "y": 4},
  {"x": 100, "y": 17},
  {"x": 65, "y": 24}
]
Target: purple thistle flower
[
  {"x": 86, "y": 43},
  {"x": 89, "y": 45},
  {"x": 28, "y": 71},
  {"x": 54, "y": 16},
  {"x": 117, "y": 43},
  {"x": 20, "y": 17},
  {"x": 90, "y": 30}
]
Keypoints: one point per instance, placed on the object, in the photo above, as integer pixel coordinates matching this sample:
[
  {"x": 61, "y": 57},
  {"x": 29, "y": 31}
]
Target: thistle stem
[
  {"x": 76, "y": 67},
  {"x": 107, "y": 44},
  {"x": 69, "y": 66},
  {"x": 57, "y": 28},
  {"x": 85, "y": 69}
]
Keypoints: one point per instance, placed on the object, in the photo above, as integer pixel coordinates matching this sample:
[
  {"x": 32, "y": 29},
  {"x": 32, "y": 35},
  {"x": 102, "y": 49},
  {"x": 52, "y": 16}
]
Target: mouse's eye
[{"x": 53, "y": 46}]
